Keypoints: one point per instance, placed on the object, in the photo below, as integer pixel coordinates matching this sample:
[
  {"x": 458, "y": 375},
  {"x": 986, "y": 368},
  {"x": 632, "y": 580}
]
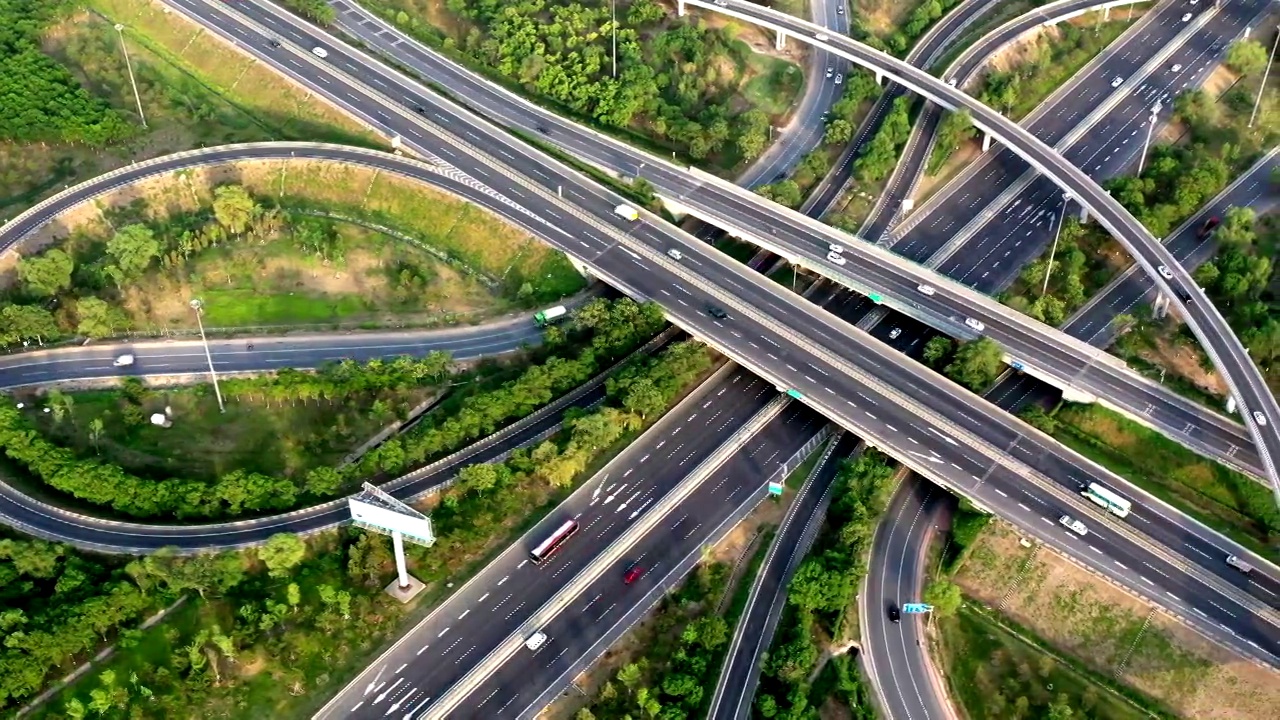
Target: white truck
[{"x": 627, "y": 212}]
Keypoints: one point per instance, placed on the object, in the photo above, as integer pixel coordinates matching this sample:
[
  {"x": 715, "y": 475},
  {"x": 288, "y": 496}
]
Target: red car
[
  {"x": 634, "y": 573},
  {"x": 1208, "y": 227}
]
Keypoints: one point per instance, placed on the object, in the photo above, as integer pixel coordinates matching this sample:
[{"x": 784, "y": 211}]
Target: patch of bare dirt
[
  {"x": 1023, "y": 49},
  {"x": 1183, "y": 360},
  {"x": 959, "y": 160}
]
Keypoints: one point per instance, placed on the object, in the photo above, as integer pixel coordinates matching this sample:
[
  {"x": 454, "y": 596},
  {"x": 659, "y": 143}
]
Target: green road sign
[
  {"x": 875, "y": 297},
  {"x": 775, "y": 488}
]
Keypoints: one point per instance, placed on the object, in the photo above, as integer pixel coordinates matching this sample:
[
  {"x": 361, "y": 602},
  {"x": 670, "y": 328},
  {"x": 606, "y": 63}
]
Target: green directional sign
[
  {"x": 875, "y": 297},
  {"x": 775, "y": 488}
]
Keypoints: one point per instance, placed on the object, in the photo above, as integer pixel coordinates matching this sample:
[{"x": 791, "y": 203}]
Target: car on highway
[
  {"x": 536, "y": 640},
  {"x": 836, "y": 258},
  {"x": 1177, "y": 67},
  {"x": 830, "y": 71},
  {"x": 1117, "y": 81},
  {"x": 926, "y": 290},
  {"x": 822, "y": 37},
  {"x": 1186, "y": 17},
  {"x": 975, "y": 324},
  {"x": 895, "y": 614},
  {"x": 633, "y": 573},
  {"x": 840, "y": 8},
  {"x": 274, "y": 43},
  {"x": 1239, "y": 564},
  {"x": 835, "y": 248},
  {"x": 894, "y": 333},
  {"x": 124, "y": 360},
  {"x": 1208, "y": 227},
  {"x": 1073, "y": 525},
  {"x": 839, "y": 79},
  {"x": 319, "y": 52},
  {"x": 1259, "y": 418},
  {"x": 717, "y": 312},
  {"x": 1165, "y": 272},
  {"x": 675, "y": 254}
]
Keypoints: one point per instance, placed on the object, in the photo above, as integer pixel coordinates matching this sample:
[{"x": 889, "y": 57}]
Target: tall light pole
[
  {"x": 613, "y": 9},
  {"x": 129, "y": 64},
  {"x": 1151, "y": 126},
  {"x": 1265, "y": 71},
  {"x": 199, "y": 307},
  {"x": 1048, "y": 270}
]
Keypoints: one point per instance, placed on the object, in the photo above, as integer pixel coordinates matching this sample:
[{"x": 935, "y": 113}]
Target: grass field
[
  {"x": 1216, "y": 495},
  {"x": 1157, "y": 663},
  {"x": 991, "y": 670},
  {"x": 254, "y": 435},
  {"x": 773, "y": 85},
  {"x": 195, "y": 91}
]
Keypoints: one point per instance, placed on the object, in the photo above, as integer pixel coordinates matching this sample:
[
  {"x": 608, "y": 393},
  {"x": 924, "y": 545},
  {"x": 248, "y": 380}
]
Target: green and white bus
[{"x": 1108, "y": 500}]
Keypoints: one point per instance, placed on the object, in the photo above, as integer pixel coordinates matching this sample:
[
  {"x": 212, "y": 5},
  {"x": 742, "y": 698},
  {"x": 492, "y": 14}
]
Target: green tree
[
  {"x": 977, "y": 364},
  {"x": 955, "y": 129},
  {"x": 839, "y": 132},
  {"x": 48, "y": 273},
  {"x": 783, "y": 192},
  {"x": 753, "y": 134},
  {"x": 282, "y": 553},
  {"x": 1060, "y": 709},
  {"x": 133, "y": 247},
  {"x": 944, "y": 596},
  {"x": 817, "y": 586},
  {"x": 27, "y": 322},
  {"x": 98, "y": 319},
  {"x": 234, "y": 208},
  {"x": 1246, "y": 57},
  {"x": 937, "y": 349}
]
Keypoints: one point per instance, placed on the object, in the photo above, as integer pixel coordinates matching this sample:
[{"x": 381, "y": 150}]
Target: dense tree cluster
[
  {"x": 678, "y": 80},
  {"x": 955, "y": 129},
  {"x": 319, "y": 10},
  {"x": 977, "y": 364},
  {"x": 607, "y": 331},
  {"x": 824, "y": 585},
  {"x": 42, "y": 100},
  {"x": 1175, "y": 182},
  {"x": 880, "y": 155},
  {"x": 1238, "y": 278},
  {"x": 57, "y": 608}
]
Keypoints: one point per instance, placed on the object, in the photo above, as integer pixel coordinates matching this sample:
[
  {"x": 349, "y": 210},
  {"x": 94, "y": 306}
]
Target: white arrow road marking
[
  {"x": 928, "y": 458},
  {"x": 944, "y": 437},
  {"x": 374, "y": 683},
  {"x": 383, "y": 696}
]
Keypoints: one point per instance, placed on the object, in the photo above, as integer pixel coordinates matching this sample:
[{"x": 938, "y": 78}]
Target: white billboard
[{"x": 378, "y": 518}]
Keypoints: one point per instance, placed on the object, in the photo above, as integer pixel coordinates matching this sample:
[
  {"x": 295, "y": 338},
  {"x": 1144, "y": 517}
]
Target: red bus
[{"x": 548, "y": 547}]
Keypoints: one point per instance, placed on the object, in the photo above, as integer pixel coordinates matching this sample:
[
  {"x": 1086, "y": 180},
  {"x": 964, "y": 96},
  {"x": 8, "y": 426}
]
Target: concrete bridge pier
[
  {"x": 986, "y": 142},
  {"x": 680, "y": 8},
  {"x": 1160, "y": 308}
]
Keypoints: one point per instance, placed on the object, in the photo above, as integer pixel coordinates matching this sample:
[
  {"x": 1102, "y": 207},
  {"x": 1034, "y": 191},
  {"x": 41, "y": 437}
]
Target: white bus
[
  {"x": 548, "y": 547},
  {"x": 1108, "y": 500}
]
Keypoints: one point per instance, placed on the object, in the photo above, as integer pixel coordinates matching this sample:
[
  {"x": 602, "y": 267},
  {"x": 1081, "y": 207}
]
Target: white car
[
  {"x": 835, "y": 248},
  {"x": 675, "y": 254},
  {"x": 831, "y": 71},
  {"x": 926, "y": 290},
  {"x": 319, "y": 52},
  {"x": 840, "y": 9},
  {"x": 836, "y": 258},
  {"x": 1176, "y": 68},
  {"x": 822, "y": 37},
  {"x": 1186, "y": 17},
  {"x": 839, "y": 79},
  {"x": 975, "y": 324},
  {"x": 1073, "y": 525},
  {"x": 123, "y": 360},
  {"x": 1165, "y": 272},
  {"x": 1259, "y": 418},
  {"x": 536, "y": 640},
  {"x": 1117, "y": 81},
  {"x": 894, "y": 333}
]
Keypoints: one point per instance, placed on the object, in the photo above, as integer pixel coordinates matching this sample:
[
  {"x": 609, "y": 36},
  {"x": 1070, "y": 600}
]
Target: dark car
[
  {"x": 275, "y": 43},
  {"x": 542, "y": 129},
  {"x": 634, "y": 573},
  {"x": 1208, "y": 227},
  {"x": 717, "y": 312},
  {"x": 895, "y": 615},
  {"x": 420, "y": 110}
]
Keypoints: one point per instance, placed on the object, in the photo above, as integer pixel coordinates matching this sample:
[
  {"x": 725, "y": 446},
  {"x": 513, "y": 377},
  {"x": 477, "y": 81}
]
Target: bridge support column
[
  {"x": 1231, "y": 404},
  {"x": 781, "y": 41},
  {"x": 1160, "y": 308},
  {"x": 986, "y": 142},
  {"x": 680, "y": 8},
  {"x": 1084, "y": 214},
  {"x": 580, "y": 267},
  {"x": 1106, "y": 13},
  {"x": 879, "y": 78}
]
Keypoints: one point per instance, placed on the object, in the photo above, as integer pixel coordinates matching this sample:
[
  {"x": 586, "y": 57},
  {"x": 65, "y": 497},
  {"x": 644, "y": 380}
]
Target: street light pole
[
  {"x": 1265, "y": 71},
  {"x": 129, "y": 64},
  {"x": 198, "y": 307},
  {"x": 613, "y": 8},
  {"x": 1151, "y": 126},
  {"x": 1048, "y": 270}
]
